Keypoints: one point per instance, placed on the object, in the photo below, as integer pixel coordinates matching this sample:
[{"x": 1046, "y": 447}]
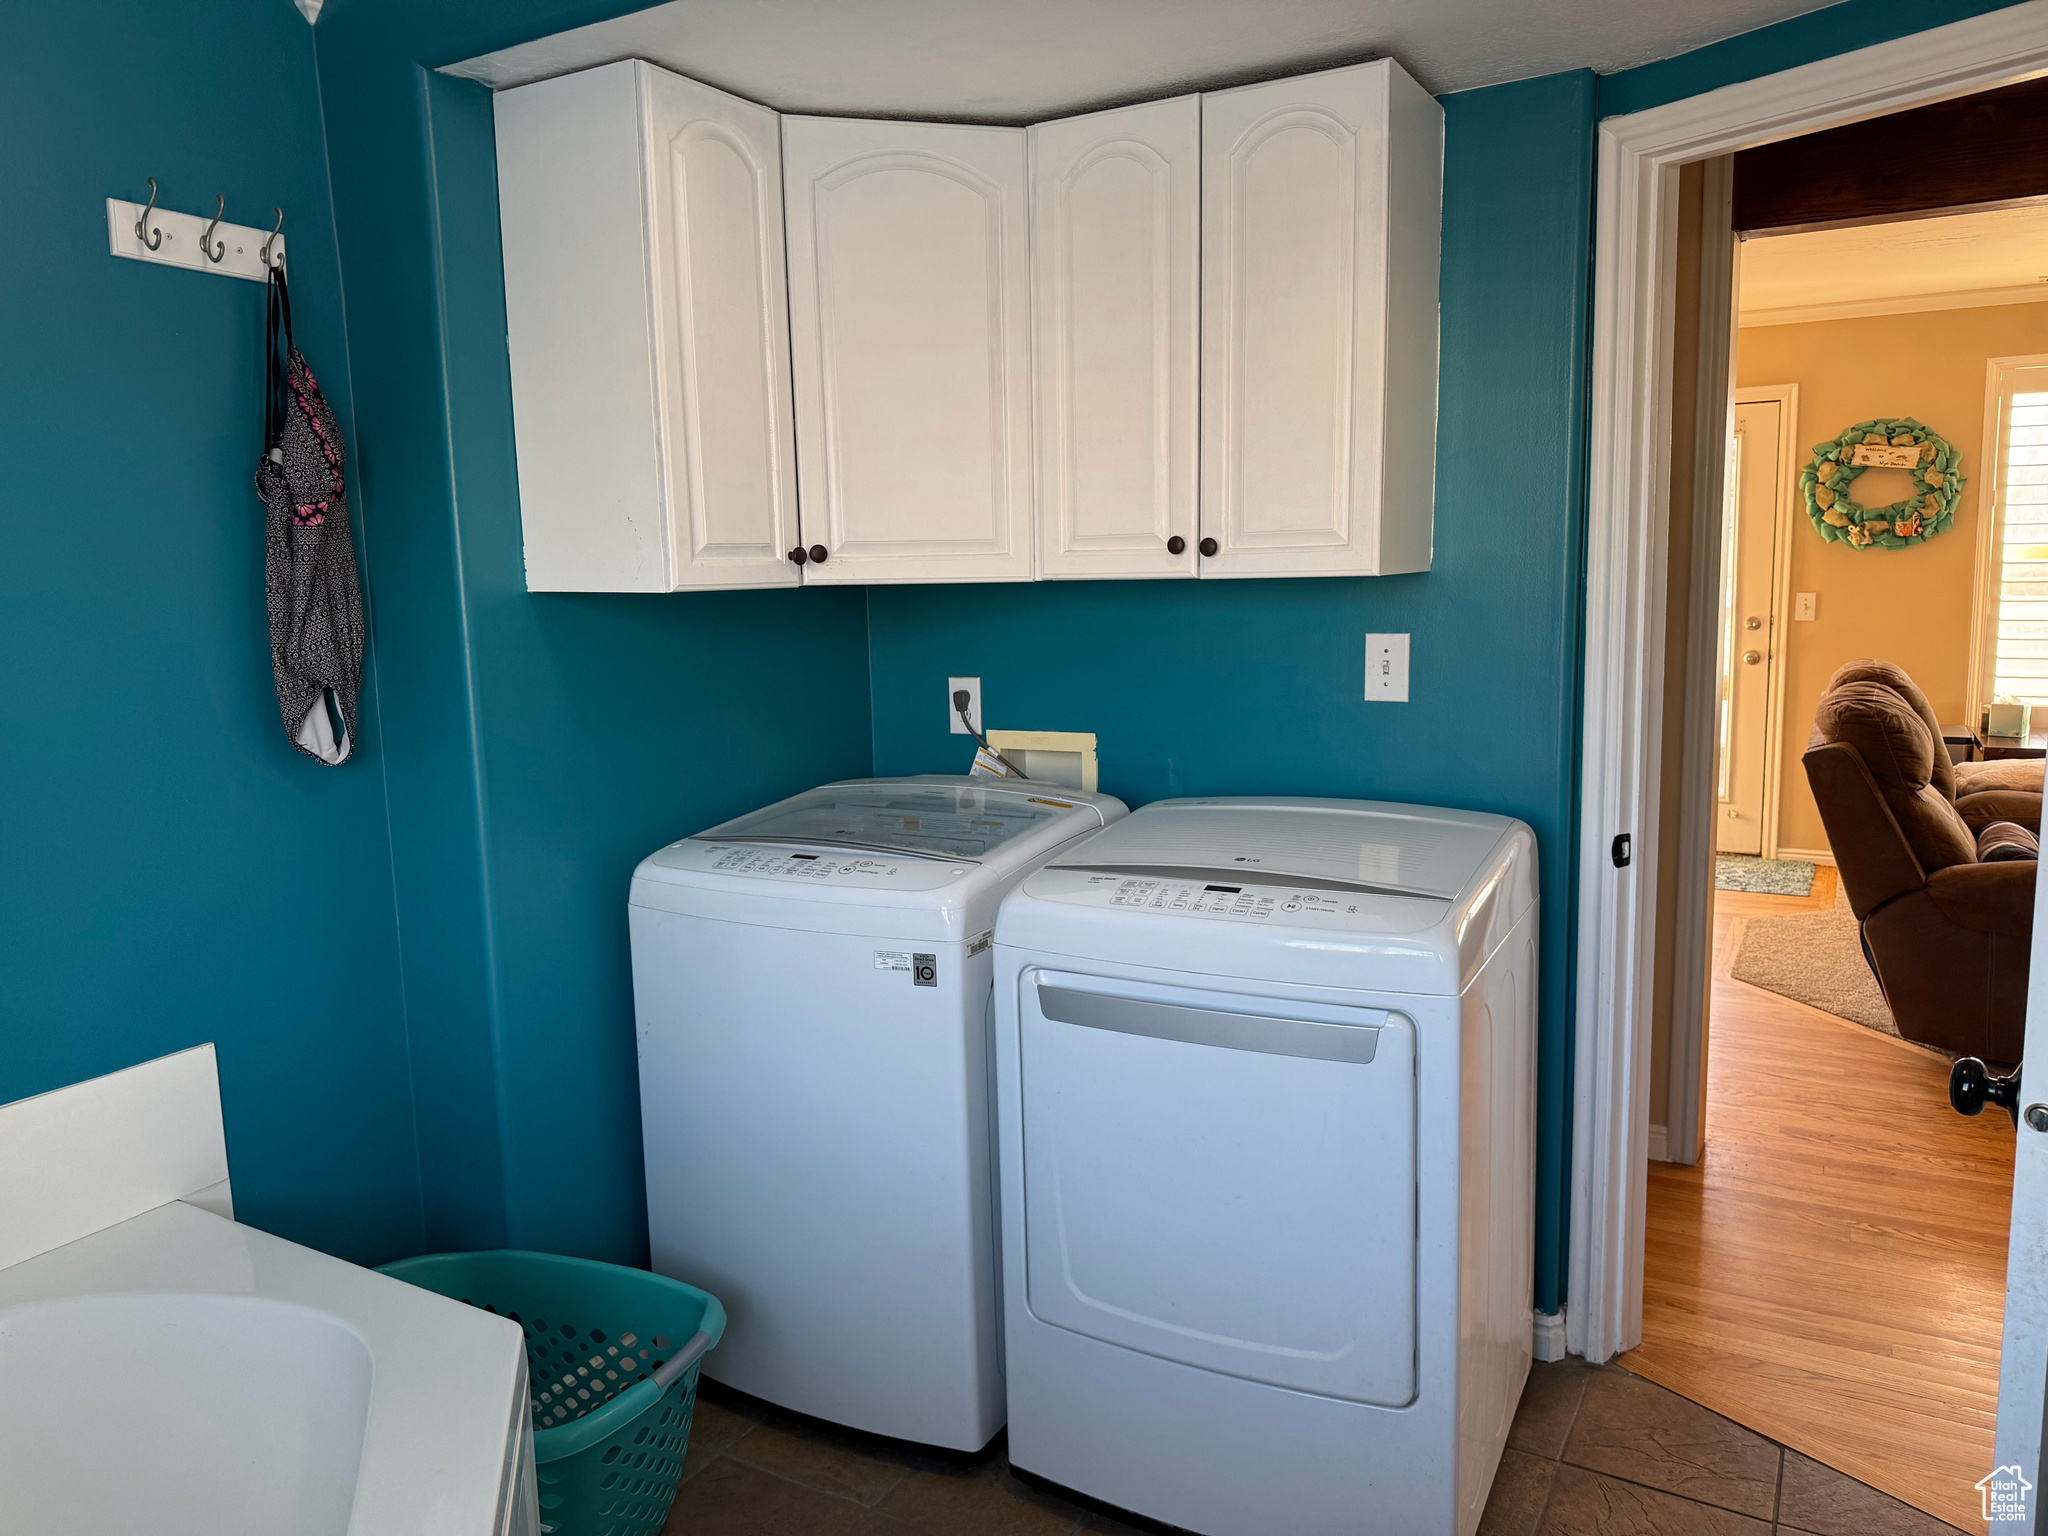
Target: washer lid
[
  {"x": 952, "y": 819},
  {"x": 1342, "y": 845}
]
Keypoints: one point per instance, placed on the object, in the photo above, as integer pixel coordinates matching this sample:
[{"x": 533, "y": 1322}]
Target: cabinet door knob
[
  {"x": 798, "y": 555},
  {"x": 1176, "y": 544},
  {"x": 1207, "y": 546},
  {"x": 818, "y": 553}
]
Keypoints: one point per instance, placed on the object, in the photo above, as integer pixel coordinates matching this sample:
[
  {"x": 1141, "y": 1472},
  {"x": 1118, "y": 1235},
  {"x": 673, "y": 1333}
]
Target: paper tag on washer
[
  {"x": 980, "y": 942},
  {"x": 892, "y": 959}
]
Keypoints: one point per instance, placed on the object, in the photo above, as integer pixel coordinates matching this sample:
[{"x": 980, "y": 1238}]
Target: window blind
[{"x": 2019, "y": 665}]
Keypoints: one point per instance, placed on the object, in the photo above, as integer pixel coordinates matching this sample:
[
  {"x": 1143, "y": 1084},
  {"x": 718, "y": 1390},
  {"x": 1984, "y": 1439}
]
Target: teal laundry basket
[{"x": 612, "y": 1357}]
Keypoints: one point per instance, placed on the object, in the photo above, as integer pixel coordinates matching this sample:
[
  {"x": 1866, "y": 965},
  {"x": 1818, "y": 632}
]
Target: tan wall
[{"x": 1908, "y": 606}]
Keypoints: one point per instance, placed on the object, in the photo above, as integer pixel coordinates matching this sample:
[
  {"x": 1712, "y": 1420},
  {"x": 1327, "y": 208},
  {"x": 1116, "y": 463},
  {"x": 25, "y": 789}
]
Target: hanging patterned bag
[{"x": 309, "y": 580}]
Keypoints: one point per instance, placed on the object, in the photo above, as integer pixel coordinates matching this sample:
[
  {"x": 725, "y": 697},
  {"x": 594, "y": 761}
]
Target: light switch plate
[
  {"x": 973, "y": 687},
  {"x": 1805, "y": 605},
  {"x": 1386, "y": 669}
]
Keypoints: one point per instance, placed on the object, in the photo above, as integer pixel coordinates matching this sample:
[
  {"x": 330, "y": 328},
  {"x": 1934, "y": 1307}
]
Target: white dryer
[
  {"x": 811, "y": 985},
  {"x": 1266, "y": 1091}
]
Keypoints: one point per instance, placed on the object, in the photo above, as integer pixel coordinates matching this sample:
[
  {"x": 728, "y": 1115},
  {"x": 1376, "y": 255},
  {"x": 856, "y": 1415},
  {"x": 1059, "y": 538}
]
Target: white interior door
[
  {"x": 1749, "y": 529},
  {"x": 1116, "y": 231},
  {"x": 910, "y": 331},
  {"x": 721, "y": 334}
]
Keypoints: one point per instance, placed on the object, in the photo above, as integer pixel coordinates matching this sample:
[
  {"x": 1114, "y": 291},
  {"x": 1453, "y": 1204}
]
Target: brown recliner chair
[
  {"x": 1947, "y": 935},
  {"x": 1982, "y": 792}
]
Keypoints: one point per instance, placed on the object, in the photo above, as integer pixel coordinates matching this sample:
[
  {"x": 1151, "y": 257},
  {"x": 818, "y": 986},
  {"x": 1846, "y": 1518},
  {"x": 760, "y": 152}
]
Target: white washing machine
[
  {"x": 812, "y": 985},
  {"x": 1266, "y": 1080}
]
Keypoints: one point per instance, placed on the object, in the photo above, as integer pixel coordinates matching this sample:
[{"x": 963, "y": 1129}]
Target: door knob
[
  {"x": 799, "y": 555},
  {"x": 1176, "y": 544},
  {"x": 1752, "y": 622},
  {"x": 1207, "y": 546},
  {"x": 1751, "y": 658},
  {"x": 1972, "y": 1085},
  {"x": 818, "y": 553}
]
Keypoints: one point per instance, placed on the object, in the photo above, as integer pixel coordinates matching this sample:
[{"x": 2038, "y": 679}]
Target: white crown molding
[
  {"x": 1907, "y": 304},
  {"x": 1628, "y": 515}
]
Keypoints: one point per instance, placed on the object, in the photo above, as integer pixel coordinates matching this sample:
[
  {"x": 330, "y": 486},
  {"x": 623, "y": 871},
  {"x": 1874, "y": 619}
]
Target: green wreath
[{"x": 1931, "y": 509}]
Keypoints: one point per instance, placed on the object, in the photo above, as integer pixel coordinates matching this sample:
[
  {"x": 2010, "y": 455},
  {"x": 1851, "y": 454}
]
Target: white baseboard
[
  {"x": 1548, "y": 1339},
  {"x": 1808, "y": 855},
  {"x": 1660, "y": 1143}
]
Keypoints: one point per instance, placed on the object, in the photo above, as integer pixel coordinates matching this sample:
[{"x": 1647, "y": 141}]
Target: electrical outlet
[
  {"x": 973, "y": 687},
  {"x": 1386, "y": 669},
  {"x": 1805, "y": 605}
]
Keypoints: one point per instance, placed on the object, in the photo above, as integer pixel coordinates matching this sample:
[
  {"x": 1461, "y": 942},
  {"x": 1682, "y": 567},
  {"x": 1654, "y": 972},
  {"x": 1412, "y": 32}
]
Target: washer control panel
[
  {"x": 803, "y": 866},
  {"x": 813, "y": 867}
]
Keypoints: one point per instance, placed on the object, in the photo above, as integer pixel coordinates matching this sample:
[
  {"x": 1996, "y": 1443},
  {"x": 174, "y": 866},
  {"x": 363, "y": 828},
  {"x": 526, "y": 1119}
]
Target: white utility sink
[{"x": 182, "y": 1375}]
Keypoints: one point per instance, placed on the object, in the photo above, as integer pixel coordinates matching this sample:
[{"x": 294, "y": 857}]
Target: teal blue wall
[
  {"x": 1818, "y": 34},
  {"x": 1255, "y": 687},
  {"x": 1230, "y": 687},
  {"x": 172, "y": 871},
  {"x": 416, "y": 967},
  {"x": 542, "y": 744}
]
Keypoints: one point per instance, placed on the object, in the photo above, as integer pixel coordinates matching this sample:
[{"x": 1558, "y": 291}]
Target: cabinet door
[
  {"x": 583, "y": 386},
  {"x": 1321, "y": 216},
  {"x": 909, "y": 316},
  {"x": 647, "y": 321},
  {"x": 1116, "y": 257},
  {"x": 720, "y": 316}
]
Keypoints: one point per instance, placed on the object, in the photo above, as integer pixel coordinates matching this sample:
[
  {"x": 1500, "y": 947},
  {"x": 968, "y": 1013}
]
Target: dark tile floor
[{"x": 1594, "y": 1452}]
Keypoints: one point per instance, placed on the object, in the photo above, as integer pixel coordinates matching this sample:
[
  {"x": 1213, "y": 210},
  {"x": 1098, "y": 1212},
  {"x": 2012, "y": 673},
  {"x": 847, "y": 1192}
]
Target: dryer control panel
[{"x": 1266, "y": 905}]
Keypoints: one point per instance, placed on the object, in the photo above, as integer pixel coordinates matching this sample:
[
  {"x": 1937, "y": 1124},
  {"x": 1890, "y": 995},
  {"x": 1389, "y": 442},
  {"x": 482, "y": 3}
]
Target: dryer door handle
[{"x": 1357, "y": 1043}]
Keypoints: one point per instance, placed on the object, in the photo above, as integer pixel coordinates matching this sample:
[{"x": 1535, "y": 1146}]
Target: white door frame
[{"x": 1628, "y": 511}]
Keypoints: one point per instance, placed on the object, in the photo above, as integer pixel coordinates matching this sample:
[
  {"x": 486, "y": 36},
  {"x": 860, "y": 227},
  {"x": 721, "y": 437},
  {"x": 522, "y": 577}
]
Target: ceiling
[
  {"x": 1953, "y": 261},
  {"x": 1020, "y": 61}
]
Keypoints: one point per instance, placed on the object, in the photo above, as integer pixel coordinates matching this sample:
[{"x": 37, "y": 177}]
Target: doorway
[{"x": 1628, "y": 665}]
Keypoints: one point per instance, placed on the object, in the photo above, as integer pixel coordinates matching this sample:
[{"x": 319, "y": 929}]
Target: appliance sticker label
[
  {"x": 892, "y": 959},
  {"x": 980, "y": 943},
  {"x": 924, "y": 970}
]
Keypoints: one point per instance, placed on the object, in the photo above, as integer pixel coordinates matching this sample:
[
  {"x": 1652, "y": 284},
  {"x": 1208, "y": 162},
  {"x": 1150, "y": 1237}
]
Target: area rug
[
  {"x": 1763, "y": 877},
  {"x": 1815, "y": 958}
]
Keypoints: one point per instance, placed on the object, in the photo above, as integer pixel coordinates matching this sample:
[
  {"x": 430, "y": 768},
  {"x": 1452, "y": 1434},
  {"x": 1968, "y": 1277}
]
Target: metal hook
[
  {"x": 154, "y": 238},
  {"x": 272, "y": 236},
  {"x": 214, "y": 253}
]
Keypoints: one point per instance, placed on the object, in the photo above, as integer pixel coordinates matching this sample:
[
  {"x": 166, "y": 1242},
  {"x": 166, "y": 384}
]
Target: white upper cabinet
[
  {"x": 647, "y": 318},
  {"x": 1321, "y": 215},
  {"x": 910, "y": 332},
  {"x": 1116, "y": 230}
]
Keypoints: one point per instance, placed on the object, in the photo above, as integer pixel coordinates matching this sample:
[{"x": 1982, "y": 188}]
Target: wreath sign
[{"x": 1886, "y": 443}]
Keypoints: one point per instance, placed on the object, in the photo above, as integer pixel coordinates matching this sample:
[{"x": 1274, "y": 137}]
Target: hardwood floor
[{"x": 1832, "y": 1273}]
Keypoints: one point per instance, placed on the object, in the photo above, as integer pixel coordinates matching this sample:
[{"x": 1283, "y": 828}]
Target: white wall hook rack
[{"x": 242, "y": 249}]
